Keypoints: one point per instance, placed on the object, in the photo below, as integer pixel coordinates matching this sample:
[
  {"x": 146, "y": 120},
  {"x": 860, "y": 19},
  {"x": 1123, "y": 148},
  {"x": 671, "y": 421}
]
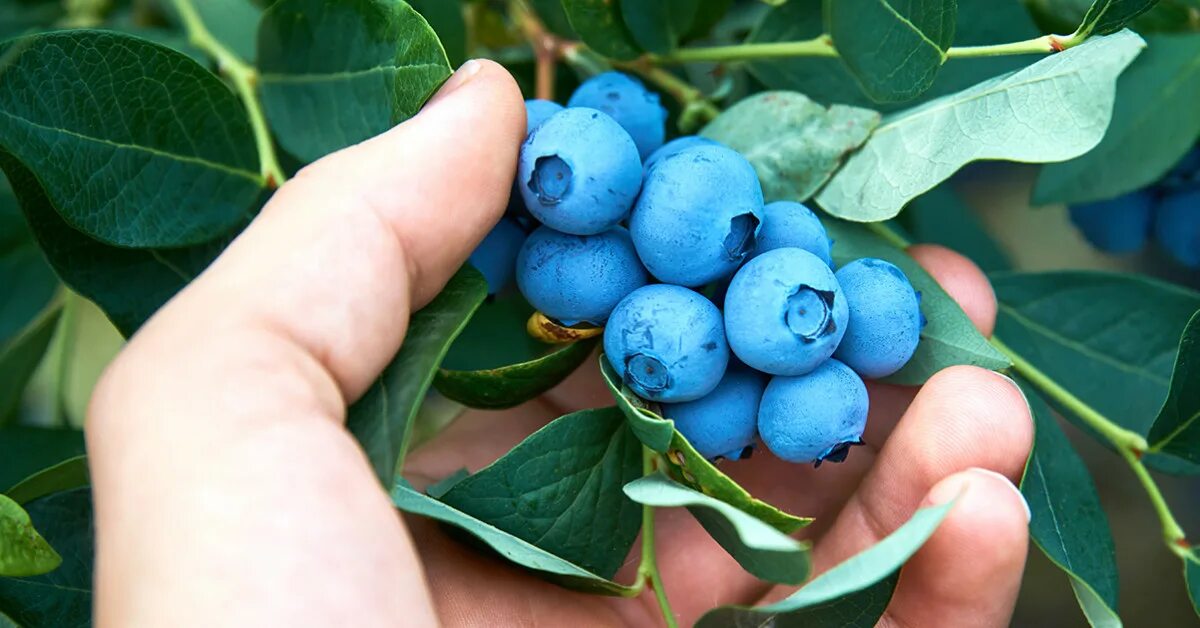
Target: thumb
[{"x": 344, "y": 251}]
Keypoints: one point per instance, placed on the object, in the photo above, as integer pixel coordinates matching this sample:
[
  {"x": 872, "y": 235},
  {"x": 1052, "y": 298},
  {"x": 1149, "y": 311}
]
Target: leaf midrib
[{"x": 319, "y": 77}]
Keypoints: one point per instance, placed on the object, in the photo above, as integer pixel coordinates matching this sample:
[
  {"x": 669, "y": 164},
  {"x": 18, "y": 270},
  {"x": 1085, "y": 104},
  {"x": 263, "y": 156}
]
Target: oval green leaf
[
  {"x": 161, "y": 152},
  {"x": 794, "y": 143},
  {"x": 23, "y": 552},
  {"x": 62, "y": 597},
  {"x": 1176, "y": 431},
  {"x": 658, "y": 25},
  {"x": 69, "y": 474},
  {"x": 26, "y": 451},
  {"x": 1025, "y": 116},
  {"x": 757, "y": 546},
  {"x": 28, "y": 281},
  {"x": 382, "y": 419},
  {"x": 336, "y": 73},
  {"x": 1109, "y": 16},
  {"x": 20, "y": 357},
  {"x": 600, "y": 26},
  {"x": 447, "y": 20}
]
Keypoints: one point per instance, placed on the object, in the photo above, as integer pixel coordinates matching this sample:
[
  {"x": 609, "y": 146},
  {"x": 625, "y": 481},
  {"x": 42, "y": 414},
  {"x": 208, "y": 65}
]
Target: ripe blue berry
[
  {"x": 667, "y": 343},
  {"x": 496, "y": 255},
  {"x": 538, "y": 111},
  {"x": 784, "y": 312},
  {"x": 674, "y": 146},
  {"x": 698, "y": 216},
  {"x": 629, "y": 103},
  {"x": 885, "y": 318},
  {"x": 790, "y": 224},
  {"x": 575, "y": 279},
  {"x": 725, "y": 421},
  {"x": 579, "y": 172},
  {"x": 1177, "y": 226},
  {"x": 1119, "y": 225},
  {"x": 815, "y": 417}
]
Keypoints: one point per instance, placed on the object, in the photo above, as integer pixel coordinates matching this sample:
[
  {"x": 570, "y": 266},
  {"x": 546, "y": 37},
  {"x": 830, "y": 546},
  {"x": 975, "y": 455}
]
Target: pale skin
[{"x": 228, "y": 492}]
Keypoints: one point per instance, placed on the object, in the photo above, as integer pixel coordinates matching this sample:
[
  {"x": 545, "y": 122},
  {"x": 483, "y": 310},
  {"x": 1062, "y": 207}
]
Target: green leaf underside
[
  {"x": 446, "y": 18},
  {"x": 335, "y": 73},
  {"x": 794, "y": 143},
  {"x": 1176, "y": 431},
  {"x": 560, "y": 489},
  {"x": 892, "y": 47},
  {"x": 23, "y": 552},
  {"x": 1109, "y": 16},
  {"x": 128, "y": 284},
  {"x": 406, "y": 498},
  {"x": 758, "y": 547},
  {"x": 949, "y": 337},
  {"x": 27, "y": 451},
  {"x": 62, "y": 597},
  {"x": 686, "y": 465},
  {"x": 853, "y": 581},
  {"x": 658, "y": 25},
  {"x": 940, "y": 216},
  {"x": 29, "y": 283},
  {"x": 1068, "y": 523},
  {"x": 69, "y": 474},
  {"x": 20, "y": 356},
  {"x": 600, "y": 26},
  {"x": 1053, "y": 110},
  {"x": 170, "y": 163},
  {"x": 382, "y": 419},
  {"x": 1109, "y": 339},
  {"x": 1154, "y": 123},
  {"x": 826, "y": 80}
]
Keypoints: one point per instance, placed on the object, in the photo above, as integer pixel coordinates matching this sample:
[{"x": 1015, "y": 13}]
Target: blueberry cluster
[
  {"x": 725, "y": 310},
  {"x": 1168, "y": 211}
]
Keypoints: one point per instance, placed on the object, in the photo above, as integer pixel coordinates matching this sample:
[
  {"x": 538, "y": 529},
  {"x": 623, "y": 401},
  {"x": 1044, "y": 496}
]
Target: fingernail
[
  {"x": 1007, "y": 482},
  {"x": 461, "y": 77}
]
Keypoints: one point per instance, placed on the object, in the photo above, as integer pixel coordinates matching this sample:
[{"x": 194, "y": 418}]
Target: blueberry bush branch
[
  {"x": 648, "y": 568},
  {"x": 244, "y": 79}
]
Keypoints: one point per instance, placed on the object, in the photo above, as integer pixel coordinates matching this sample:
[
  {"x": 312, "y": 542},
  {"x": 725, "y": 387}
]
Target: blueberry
[
  {"x": 667, "y": 343},
  {"x": 538, "y": 111},
  {"x": 790, "y": 224},
  {"x": 784, "y": 312},
  {"x": 815, "y": 417},
  {"x": 725, "y": 421},
  {"x": 629, "y": 103},
  {"x": 579, "y": 172},
  {"x": 885, "y": 318},
  {"x": 1177, "y": 226},
  {"x": 674, "y": 146},
  {"x": 1119, "y": 225},
  {"x": 698, "y": 216},
  {"x": 496, "y": 255},
  {"x": 575, "y": 279}
]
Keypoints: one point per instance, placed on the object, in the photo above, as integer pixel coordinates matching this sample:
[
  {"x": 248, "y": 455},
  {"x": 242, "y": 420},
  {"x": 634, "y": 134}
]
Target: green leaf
[
  {"x": 27, "y": 451},
  {"x": 1028, "y": 116},
  {"x": 554, "y": 17},
  {"x": 758, "y": 547},
  {"x": 28, "y": 281},
  {"x": 1176, "y": 431},
  {"x": 336, "y": 73},
  {"x": 794, "y": 143},
  {"x": 231, "y": 22},
  {"x": 686, "y": 465},
  {"x": 560, "y": 489},
  {"x": 894, "y": 48},
  {"x": 1068, "y": 524},
  {"x": 446, "y": 19},
  {"x": 173, "y": 165},
  {"x": 658, "y": 25},
  {"x": 856, "y": 575},
  {"x": 1191, "y": 575},
  {"x": 599, "y": 25},
  {"x": 1105, "y": 17},
  {"x": 128, "y": 284},
  {"x": 512, "y": 548},
  {"x": 1153, "y": 125},
  {"x": 69, "y": 474},
  {"x": 62, "y": 597},
  {"x": 382, "y": 419},
  {"x": 23, "y": 552},
  {"x": 1109, "y": 339},
  {"x": 949, "y": 337},
  {"x": 708, "y": 14},
  {"x": 20, "y": 356},
  {"x": 940, "y": 216}
]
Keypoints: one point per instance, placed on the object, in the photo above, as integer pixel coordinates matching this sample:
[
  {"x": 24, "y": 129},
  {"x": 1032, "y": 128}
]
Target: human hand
[{"x": 228, "y": 491}]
